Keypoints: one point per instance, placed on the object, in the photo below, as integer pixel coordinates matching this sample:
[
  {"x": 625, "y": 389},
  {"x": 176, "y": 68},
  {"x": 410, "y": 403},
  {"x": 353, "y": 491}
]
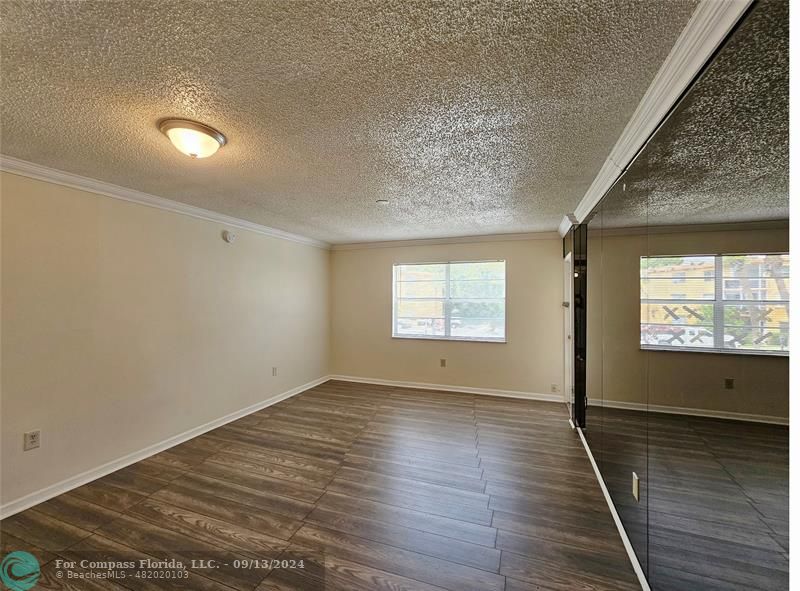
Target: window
[
  {"x": 454, "y": 301},
  {"x": 731, "y": 303}
]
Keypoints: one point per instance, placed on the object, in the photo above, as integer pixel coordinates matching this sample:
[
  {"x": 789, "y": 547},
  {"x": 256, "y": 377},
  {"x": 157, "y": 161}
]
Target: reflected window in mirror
[{"x": 736, "y": 303}]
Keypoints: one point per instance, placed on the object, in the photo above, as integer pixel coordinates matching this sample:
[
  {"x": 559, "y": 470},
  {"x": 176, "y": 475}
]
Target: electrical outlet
[
  {"x": 443, "y": 363},
  {"x": 554, "y": 388},
  {"x": 32, "y": 440},
  {"x": 274, "y": 371},
  {"x": 635, "y": 486},
  {"x": 729, "y": 383}
]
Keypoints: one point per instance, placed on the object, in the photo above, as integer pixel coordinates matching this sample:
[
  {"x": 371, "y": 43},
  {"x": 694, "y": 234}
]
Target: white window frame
[
  {"x": 447, "y": 304},
  {"x": 718, "y": 304}
]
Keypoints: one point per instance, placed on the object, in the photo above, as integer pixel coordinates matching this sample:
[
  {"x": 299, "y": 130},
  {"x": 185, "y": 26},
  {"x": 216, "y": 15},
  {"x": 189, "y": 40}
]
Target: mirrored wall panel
[{"x": 688, "y": 325}]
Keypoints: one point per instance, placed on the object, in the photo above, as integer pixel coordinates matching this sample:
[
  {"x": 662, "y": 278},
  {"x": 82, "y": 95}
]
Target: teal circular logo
[{"x": 19, "y": 571}]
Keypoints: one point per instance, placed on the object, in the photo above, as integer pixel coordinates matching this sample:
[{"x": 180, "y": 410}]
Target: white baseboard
[
  {"x": 39, "y": 496},
  {"x": 637, "y": 568},
  {"x": 694, "y": 412},
  {"x": 449, "y": 388}
]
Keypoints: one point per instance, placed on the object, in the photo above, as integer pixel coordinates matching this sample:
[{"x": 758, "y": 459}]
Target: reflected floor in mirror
[{"x": 717, "y": 498}]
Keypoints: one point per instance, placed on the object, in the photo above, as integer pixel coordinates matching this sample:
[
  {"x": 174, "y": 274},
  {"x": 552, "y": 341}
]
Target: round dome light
[{"x": 193, "y": 139}]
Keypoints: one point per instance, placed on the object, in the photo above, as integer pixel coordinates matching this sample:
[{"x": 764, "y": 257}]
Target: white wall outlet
[
  {"x": 443, "y": 363},
  {"x": 32, "y": 439},
  {"x": 554, "y": 388},
  {"x": 635, "y": 486},
  {"x": 274, "y": 371}
]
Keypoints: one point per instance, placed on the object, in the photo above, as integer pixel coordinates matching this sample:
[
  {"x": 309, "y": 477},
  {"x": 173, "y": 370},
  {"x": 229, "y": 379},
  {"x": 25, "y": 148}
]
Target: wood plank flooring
[
  {"x": 373, "y": 487},
  {"x": 715, "y": 513}
]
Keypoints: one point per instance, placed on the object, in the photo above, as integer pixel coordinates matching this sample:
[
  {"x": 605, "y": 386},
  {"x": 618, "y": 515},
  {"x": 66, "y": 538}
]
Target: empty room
[{"x": 462, "y": 295}]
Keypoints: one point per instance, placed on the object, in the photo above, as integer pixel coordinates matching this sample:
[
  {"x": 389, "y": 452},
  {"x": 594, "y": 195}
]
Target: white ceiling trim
[
  {"x": 567, "y": 222},
  {"x": 36, "y": 171},
  {"x": 454, "y": 240},
  {"x": 711, "y": 22}
]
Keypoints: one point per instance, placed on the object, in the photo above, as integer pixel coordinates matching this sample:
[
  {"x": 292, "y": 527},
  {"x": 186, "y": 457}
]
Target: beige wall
[
  {"x": 529, "y": 362},
  {"x": 619, "y": 371},
  {"x": 124, "y": 325}
]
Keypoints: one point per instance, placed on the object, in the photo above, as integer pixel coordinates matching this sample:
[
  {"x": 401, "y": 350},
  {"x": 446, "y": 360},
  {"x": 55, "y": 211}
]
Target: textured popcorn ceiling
[
  {"x": 471, "y": 117},
  {"x": 723, "y": 156}
]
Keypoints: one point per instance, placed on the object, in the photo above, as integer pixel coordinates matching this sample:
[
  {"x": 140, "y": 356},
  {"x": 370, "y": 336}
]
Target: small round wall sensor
[{"x": 228, "y": 236}]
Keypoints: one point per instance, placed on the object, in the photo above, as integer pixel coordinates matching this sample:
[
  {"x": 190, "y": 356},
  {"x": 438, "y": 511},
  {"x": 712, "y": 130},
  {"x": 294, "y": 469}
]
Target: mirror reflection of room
[{"x": 688, "y": 367}]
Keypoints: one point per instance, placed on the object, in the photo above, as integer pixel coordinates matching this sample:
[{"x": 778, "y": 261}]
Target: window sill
[
  {"x": 451, "y": 339},
  {"x": 718, "y": 351}
]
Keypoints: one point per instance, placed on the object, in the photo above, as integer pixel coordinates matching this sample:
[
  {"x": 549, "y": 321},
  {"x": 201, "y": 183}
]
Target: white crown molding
[
  {"x": 454, "y": 240},
  {"x": 692, "y": 412},
  {"x": 710, "y": 23},
  {"x": 43, "y": 173},
  {"x": 567, "y": 222},
  {"x": 449, "y": 388},
  {"x": 42, "y": 495}
]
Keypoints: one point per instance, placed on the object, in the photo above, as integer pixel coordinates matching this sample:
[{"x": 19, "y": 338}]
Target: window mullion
[
  {"x": 719, "y": 309},
  {"x": 447, "y": 305}
]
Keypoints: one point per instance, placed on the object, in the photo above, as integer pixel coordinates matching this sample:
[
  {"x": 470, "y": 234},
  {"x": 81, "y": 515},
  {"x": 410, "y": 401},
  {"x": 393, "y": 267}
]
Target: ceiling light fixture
[{"x": 192, "y": 138}]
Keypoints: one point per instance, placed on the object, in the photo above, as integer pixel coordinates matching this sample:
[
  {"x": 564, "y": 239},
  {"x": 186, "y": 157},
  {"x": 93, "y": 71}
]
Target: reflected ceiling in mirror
[{"x": 723, "y": 154}]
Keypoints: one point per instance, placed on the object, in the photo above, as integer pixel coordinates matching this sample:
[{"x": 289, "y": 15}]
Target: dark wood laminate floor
[
  {"x": 388, "y": 488},
  {"x": 715, "y": 513}
]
